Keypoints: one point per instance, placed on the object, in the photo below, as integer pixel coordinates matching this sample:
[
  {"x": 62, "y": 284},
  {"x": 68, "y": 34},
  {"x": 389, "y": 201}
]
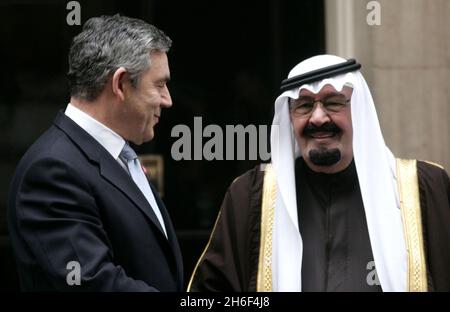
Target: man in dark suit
[{"x": 81, "y": 216}]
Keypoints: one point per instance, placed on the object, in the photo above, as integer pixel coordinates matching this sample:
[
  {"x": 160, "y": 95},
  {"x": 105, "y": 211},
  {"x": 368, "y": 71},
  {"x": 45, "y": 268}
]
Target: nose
[
  {"x": 319, "y": 116},
  {"x": 166, "y": 99}
]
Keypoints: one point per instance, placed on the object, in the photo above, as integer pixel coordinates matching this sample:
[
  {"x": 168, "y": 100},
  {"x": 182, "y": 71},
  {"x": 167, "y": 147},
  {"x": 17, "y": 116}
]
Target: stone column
[{"x": 406, "y": 62}]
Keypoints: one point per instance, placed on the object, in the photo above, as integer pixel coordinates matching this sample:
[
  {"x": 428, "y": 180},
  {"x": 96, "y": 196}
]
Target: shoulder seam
[
  {"x": 433, "y": 163},
  {"x": 260, "y": 167}
]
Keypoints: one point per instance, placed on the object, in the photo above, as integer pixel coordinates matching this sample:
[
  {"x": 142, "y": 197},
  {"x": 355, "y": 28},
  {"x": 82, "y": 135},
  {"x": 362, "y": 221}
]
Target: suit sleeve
[{"x": 59, "y": 221}]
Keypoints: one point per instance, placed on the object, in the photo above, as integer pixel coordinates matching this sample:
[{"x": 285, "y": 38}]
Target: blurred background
[{"x": 227, "y": 61}]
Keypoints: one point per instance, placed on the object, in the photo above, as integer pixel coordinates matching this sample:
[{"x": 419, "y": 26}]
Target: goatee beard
[{"x": 325, "y": 157}]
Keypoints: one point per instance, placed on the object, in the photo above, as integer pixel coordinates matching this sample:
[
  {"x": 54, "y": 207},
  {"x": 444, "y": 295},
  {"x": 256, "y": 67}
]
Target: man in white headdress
[{"x": 335, "y": 210}]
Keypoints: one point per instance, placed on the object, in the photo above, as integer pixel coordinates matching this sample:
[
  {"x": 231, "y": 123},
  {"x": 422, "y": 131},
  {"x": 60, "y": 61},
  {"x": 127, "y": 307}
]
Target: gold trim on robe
[
  {"x": 408, "y": 186},
  {"x": 204, "y": 252},
  {"x": 434, "y": 164},
  {"x": 264, "y": 277}
]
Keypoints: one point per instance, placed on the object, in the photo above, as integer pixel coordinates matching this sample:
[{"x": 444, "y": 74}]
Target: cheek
[
  {"x": 152, "y": 98},
  {"x": 298, "y": 125},
  {"x": 344, "y": 123}
]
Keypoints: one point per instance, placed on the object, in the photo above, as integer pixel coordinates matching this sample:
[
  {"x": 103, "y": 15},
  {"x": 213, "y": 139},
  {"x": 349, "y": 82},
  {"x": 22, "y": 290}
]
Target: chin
[{"x": 149, "y": 137}]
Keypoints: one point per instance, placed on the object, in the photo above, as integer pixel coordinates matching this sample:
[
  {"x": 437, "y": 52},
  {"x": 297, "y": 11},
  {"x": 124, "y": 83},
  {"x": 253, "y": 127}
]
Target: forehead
[
  {"x": 326, "y": 90},
  {"x": 159, "y": 61},
  {"x": 159, "y": 67}
]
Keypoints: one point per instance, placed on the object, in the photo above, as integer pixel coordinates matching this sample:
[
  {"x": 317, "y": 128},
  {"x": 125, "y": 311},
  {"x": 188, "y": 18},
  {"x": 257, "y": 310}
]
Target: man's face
[
  {"x": 323, "y": 130},
  {"x": 142, "y": 105}
]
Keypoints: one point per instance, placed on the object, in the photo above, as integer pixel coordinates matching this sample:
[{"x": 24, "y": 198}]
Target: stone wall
[{"x": 406, "y": 62}]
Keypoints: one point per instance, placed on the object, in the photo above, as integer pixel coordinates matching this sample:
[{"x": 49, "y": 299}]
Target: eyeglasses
[{"x": 304, "y": 108}]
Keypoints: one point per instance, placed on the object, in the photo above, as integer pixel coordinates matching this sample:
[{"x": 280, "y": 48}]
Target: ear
[{"x": 119, "y": 78}]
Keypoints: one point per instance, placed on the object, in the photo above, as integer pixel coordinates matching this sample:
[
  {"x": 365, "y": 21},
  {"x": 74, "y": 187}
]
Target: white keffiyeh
[{"x": 375, "y": 166}]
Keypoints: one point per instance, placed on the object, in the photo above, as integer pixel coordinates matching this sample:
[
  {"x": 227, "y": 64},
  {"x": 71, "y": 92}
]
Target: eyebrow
[
  {"x": 326, "y": 96},
  {"x": 164, "y": 79}
]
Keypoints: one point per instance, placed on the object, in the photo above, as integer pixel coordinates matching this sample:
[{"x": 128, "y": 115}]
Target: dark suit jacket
[{"x": 71, "y": 201}]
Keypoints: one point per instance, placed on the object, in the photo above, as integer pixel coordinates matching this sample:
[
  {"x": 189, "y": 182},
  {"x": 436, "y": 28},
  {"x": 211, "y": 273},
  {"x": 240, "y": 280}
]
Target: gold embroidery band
[
  {"x": 264, "y": 279},
  {"x": 204, "y": 252},
  {"x": 408, "y": 185}
]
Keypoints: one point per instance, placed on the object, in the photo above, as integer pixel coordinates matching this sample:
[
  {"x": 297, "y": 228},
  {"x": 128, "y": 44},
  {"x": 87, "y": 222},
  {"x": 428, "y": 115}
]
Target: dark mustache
[{"x": 326, "y": 127}]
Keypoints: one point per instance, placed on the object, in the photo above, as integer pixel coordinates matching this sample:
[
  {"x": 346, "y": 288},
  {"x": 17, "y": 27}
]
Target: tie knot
[{"x": 128, "y": 153}]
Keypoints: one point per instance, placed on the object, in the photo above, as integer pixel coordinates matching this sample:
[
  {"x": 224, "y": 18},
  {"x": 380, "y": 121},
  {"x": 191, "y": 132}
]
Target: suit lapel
[
  {"x": 111, "y": 171},
  {"x": 109, "y": 167},
  {"x": 171, "y": 234}
]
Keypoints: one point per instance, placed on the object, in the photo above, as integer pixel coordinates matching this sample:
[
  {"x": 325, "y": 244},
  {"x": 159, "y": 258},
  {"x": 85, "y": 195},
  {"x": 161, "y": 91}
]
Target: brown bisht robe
[{"x": 230, "y": 259}]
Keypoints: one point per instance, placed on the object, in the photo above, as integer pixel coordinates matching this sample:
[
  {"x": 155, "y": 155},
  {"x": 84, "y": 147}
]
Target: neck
[
  {"x": 97, "y": 109},
  {"x": 344, "y": 179}
]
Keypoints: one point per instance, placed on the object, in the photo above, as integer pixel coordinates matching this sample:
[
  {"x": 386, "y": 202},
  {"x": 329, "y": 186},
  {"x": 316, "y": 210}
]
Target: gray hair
[{"x": 107, "y": 43}]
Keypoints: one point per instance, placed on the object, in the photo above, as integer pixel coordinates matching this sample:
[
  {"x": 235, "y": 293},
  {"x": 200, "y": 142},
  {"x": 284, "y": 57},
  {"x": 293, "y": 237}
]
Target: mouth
[
  {"x": 156, "y": 118},
  {"x": 321, "y": 135},
  {"x": 326, "y": 131}
]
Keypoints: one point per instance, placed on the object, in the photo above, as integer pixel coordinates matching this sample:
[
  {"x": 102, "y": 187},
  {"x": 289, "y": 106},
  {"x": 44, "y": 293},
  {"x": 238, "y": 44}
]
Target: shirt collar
[{"x": 110, "y": 140}]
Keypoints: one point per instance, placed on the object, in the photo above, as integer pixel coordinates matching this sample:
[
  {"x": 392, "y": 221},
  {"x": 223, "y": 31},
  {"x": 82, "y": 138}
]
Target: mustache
[{"x": 326, "y": 127}]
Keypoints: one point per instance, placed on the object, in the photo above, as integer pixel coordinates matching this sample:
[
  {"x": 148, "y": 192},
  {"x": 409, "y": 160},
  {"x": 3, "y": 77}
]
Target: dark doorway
[{"x": 227, "y": 61}]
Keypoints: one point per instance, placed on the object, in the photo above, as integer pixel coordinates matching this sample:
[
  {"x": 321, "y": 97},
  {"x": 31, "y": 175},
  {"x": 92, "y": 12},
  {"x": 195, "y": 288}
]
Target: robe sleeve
[
  {"x": 228, "y": 263},
  {"x": 434, "y": 186}
]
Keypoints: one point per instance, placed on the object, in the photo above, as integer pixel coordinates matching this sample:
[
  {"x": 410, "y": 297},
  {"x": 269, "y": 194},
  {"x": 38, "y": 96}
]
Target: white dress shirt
[{"x": 107, "y": 138}]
